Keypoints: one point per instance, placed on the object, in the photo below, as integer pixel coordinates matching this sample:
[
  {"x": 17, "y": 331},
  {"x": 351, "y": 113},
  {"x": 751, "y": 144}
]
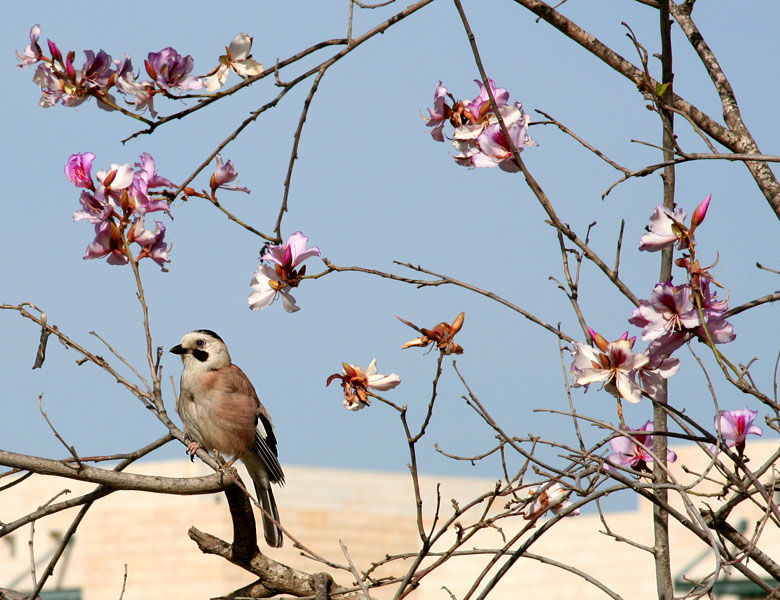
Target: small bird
[{"x": 221, "y": 412}]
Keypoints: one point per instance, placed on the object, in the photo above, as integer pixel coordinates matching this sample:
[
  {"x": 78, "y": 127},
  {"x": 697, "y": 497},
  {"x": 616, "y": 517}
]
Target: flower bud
[{"x": 700, "y": 212}]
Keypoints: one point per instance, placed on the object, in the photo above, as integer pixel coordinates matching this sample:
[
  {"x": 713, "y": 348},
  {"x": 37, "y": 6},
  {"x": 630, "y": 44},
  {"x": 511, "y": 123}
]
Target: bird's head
[{"x": 202, "y": 349}]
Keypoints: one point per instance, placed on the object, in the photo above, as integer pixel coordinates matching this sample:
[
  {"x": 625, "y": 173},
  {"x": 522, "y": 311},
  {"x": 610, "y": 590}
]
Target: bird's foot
[{"x": 192, "y": 448}]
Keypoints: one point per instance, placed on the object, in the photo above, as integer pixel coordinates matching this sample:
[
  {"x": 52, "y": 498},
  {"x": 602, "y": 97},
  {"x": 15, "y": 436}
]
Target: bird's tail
[{"x": 265, "y": 496}]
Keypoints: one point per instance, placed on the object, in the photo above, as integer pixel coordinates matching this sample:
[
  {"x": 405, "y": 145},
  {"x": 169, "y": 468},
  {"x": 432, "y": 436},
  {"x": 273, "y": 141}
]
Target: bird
[{"x": 221, "y": 412}]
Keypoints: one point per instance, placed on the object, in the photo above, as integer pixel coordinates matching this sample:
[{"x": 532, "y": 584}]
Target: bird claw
[{"x": 192, "y": 448}]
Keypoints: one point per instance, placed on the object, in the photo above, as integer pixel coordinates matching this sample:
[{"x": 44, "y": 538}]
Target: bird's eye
[{"x": 200, "y": 343}]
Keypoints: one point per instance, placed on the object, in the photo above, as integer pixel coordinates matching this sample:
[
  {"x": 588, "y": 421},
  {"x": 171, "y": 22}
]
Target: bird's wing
[{"x": 265, "y": 438}]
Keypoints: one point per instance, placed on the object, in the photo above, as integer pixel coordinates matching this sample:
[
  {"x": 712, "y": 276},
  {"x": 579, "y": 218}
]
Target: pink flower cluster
[
  {"x": 168, "y": 71},
  {"x": 117, "y": 206},
  {"x": 670, "y": 317},
  {"x": 478, "y": 137}
]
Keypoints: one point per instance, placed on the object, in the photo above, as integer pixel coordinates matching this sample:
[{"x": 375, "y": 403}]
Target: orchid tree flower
[
  {"x": 635, "y": 450},
  {"x": 78, "y": 170},
  {"x": 170, "y": 70},
  {"x": 670, "y": 316},
  {"x": 441, "y": 335},
  {"x": 477, "y": 135},
  {"x": 32, "y": 53},
  {"x": 735, "y": 425},
  {"x": 612, "y": 363},
  {"x": 238, "y": 58},
  {"x": 485, "y": 146},
  {"x": 667, "y": 227},
  {"x": 547, "y": 497},
  {"x": 152, "y": 243},
  {"x": 275, "y": 279},
  {"x": 356, "y": 382},
  {"x": 224, "y": 174}
]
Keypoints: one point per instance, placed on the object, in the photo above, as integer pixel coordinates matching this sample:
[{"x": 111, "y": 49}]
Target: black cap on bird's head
[{"x": 195, "y": 342}]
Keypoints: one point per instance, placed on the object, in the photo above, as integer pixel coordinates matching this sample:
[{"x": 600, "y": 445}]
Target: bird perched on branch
[{"x": 221, "y": 412}]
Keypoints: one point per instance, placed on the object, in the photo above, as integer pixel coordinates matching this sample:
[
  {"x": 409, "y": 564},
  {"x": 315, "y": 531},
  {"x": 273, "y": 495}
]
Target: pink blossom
[
  {"x": 141, "y": 91},
  {"x": 484, "y": 144},
  {"x": 96, "y": 73},
  {"x": 355, "y": 382},
  {"x": 79, "y": 169},
  {"x": 653, "y": 374},
  {"x": 32, "y": 53},
  {"x": 52, "y": 87},
  {"x": 670, "y": 316},
  {"x": 224, "y": 174},
  {"x": 270, "y": 282},
  {"x": 238, "y": 58},
  {"x": 152, "y": 243},
  {"x": 480, "y": 105},
  {"x": 107, "y": 242},
  {"x": 735, "y": 425},
  {"x": 118, "y": 177},
  {"x": 613, "y": 363},
  {"x": 94, "y": 208},
  {"x": 439, "y": 113},
  {"x": 664, "y": 229},
  {"x": 171, "y": 70},
  {"x": 547, "y": 497},
  {"x": 635, "y": 451},
  {"x": 268, "y": 287},
  {"x": 670, "y": 309},
  {"x": 292, "y": 253},
  {"x": 667, "y": 228}
]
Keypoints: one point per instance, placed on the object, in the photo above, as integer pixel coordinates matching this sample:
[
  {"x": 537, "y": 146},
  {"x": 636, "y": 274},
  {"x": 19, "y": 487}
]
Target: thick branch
[
  {"x": 275, "y": 578},
  {"x": 116, "y": 480}
]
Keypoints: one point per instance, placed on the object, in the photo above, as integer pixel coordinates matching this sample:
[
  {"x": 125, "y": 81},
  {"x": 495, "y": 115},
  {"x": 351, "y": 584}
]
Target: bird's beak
[{"x": 177, "y": 349}]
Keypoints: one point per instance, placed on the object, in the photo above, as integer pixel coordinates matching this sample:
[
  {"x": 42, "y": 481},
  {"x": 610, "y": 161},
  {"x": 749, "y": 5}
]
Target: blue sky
[{"x": 370, "y": 187}]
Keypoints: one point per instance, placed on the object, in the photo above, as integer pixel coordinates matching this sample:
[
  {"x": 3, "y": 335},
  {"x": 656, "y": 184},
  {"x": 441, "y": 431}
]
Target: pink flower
[
  {"x": 171, "y": 70},
  {"x": 118, "y": 177},
  {"x": 32, "y": 53},
  {"x": 670, "y": 316},
  {"x": 635, "y": 451},
  {"x": 107, "y": 242},
  {"x": 484, "y": 145},
  {"x": 439, "y": 114},
  {"x": 93, "y": 208},
  {"x": 547, "y": 497},
  {"x": 735, "y": 425},
  {"x": 270, "y": 282},
  {"x": 478, "y": 138},
  {"x": 79, "y": 169},
  {"x": 152, "y": 242},
  {"x": 667, "y": 228},
  {"x": 141, "y": 91},
  {"x": 224, "y": 174},
  {"x": 356, "y": 382},
  {"x": 292, "y": 253},
  {"x": 664, "y": 229},
  {"x": 653, "y": 374},
  {"x": 480, "y": 105},
  {"x": 610, "y": 362},
  {"x": 96, "y": 73},
  {"x": 669, "y": 310},
  {"x": 238, "y": 57}
]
